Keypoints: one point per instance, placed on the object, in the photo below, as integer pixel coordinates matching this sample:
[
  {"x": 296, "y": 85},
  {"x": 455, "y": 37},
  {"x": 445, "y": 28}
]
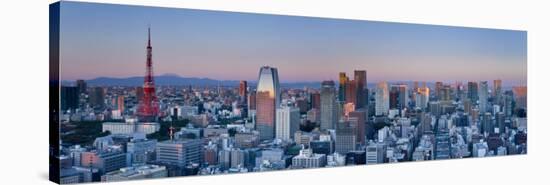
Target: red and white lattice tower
[{"x": 148, "y": 108}]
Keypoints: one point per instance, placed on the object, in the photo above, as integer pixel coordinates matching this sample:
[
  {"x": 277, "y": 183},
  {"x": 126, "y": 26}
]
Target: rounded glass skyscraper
[{"x": 267, "y": 101}]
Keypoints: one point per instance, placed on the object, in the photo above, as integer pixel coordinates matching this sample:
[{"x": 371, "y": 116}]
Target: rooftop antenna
[{"x": 171, "y": 131}]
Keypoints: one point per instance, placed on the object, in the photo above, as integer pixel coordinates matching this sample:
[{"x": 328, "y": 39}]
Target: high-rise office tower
[
  {"x": 252, "y": 101},
  {"x": 422, "y": 97},
  {"x": 507, "y": 103},
  {"x": 445, "y": 93},
  {"x": 243, "y": 90},
  {"x": 287, "y": 122},
  {"x": 342, "y": 81},
  {"x": 351, "y": 92},
  {"x": 487, "y": 123},
  {"x": 438, "y": 86},
  {"x": 520, "y": 96},
  {"x": 442, "y": 145},
  {"x": 497, "y": 90},
  {"x": 382, "y": 104},
  {"x": 148, "y": 108},
  {"x": 328, "y": 105},
  {"x": 472, "y": 91},
  {"x": 97, "y": 97},
  {"x": 497, "y": 87},
  {"x": 483, "y": 96},
  {"x": 394, "y": 97},
  {"x": 120, "y": 103},
  {"x": 459, "y": 91},
  {"x": 267, "y": 99},
  {"x": 81, "y": 85},
  {"x": 360, "y": 77},
  {"x": 403, "y": 96},
  {"x": 359, "y": 118},
  {"x": 500, "y": 118},
  {"x": 315, "y": 99},
  {"x": 243, "y": 98},
  {"x": 346, "y": 137},
  {"x": 251, "y": 110}
]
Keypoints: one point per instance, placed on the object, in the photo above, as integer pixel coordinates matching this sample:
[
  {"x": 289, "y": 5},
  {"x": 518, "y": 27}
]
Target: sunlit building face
[
  {"x": 268, "y": 81},
  {"x": 267, "y": 100},
  {"x": 382, "y": 98}
]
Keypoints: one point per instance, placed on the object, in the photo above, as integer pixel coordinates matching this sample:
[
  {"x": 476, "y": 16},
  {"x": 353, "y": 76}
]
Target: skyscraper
[
  {"x": 267, "y": 99},
  {"x": 342, "y": 81},
  {"x": 472, "y": 91},
  {"x": 315, "y": 100},
  {"x": 438, "y": 86},
  {"x": 399, "y": 96},
  {"x": 346, "y": 137},
  {"x": 243, "y": 90},
  {"x": 442, "y": 145},
  {"x": 351, "y": 92},
  {"x": 360, "y": 77},
  {"x": 148, "y": 108},
  {"x": 382, "y": 99},
  {"x": 252, "y": 101},
  {"x": 497, "y": 89},
  {"x": 422, "y": 97},
  {"x": 288, "y": 122},
  {"x": 97, "y": 97},
  {"x": 328, "y": 105},
  {"x": 487, "y": 123},
  {"x": 520, "y": 96},
  {"x": 359, "y": 118},
  {"x": 81, "y": 85},
  {"x": 243, "y": 98},
  {"x": 120, "y": 103},
  {"x": 415, "y": 86},
  {"x": 394, "y": 97},
  {"x": 483, "y": 96},
  {"x": 445, "y": 93}
]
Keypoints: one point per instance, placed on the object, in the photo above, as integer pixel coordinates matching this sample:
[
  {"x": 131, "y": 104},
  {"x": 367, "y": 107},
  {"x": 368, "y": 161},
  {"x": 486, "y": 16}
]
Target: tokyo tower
[{"x": 148, "y": 108}]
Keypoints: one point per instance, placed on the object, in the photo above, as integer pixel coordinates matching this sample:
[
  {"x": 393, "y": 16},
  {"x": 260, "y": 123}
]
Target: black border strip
[{"x": 54, "y": 93}]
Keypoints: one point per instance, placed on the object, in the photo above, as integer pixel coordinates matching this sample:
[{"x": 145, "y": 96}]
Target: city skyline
[
  {"x": 290, "y": 43},
  {"x": 113, "y": 132}
]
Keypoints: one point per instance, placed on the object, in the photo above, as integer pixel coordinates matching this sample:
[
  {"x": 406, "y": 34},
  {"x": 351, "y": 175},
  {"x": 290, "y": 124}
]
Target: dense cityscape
[{"x": 116, "y": 132}]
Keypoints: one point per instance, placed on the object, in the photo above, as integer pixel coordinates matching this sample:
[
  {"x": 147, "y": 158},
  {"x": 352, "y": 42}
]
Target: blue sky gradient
[{"x": 110, "y": 40}]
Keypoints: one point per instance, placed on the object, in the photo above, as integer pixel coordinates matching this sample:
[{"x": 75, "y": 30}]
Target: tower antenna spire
[
  {"x": 148, "y": 108},
  {"x": 149, "y": 35}
]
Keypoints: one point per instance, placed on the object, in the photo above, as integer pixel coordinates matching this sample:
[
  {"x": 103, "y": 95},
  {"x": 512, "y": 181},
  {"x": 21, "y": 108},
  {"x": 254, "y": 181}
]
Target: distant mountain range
[{"x": 175, "y": 80}]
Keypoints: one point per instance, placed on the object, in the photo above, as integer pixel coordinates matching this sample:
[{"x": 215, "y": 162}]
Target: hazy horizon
[{"x": 105, "y": 40}]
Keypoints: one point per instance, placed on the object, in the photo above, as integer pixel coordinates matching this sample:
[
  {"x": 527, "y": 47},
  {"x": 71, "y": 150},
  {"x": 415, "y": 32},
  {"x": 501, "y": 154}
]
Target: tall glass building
[
  {"x": 382, "y": 104},
  {"x": 329, "y": 115},
  {"x": 267, "y": 100}
]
